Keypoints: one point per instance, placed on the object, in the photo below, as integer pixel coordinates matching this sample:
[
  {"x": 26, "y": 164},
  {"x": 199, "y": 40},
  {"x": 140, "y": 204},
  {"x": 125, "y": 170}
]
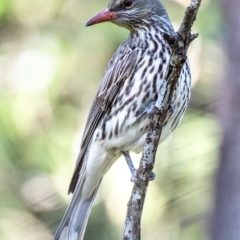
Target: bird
[{"x": 118, "y": 120}]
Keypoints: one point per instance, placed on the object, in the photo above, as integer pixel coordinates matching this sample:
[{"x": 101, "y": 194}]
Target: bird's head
[{"x": 129, "y": 13}]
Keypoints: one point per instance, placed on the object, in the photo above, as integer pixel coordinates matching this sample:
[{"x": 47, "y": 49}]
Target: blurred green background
[{"x": 50, "y": 68}]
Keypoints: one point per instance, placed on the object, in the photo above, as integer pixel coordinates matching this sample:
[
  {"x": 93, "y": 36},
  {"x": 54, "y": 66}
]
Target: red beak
[{"x": 103, "y": 16}]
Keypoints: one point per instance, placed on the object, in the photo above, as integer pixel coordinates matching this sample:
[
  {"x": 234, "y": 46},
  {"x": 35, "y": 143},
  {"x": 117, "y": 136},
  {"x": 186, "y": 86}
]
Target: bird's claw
[
  {"x": 152, "y": 176},
  {"x": 153, "y": 110},
  {"x": 136, "y": 180},
  {"x": 133, "y": 170},
  {"x": 171, "y": 107}
]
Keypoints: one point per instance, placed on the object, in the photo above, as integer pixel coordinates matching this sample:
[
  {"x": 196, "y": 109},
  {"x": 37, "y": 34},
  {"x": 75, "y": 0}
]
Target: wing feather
[{"x": 118, "y": 70}]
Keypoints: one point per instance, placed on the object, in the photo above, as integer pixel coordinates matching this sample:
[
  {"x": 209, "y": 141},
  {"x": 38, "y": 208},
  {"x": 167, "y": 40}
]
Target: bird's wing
[{"x": 118, "y": 70}]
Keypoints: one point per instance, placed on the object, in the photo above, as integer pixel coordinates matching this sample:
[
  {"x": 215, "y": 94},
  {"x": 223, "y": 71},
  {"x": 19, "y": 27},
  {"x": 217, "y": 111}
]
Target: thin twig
[{"x": 179, "y": 43}]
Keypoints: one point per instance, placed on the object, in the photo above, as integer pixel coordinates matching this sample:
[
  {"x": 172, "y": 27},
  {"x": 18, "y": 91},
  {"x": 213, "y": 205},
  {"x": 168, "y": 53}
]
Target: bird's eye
[{"x": 127, "y": 3}]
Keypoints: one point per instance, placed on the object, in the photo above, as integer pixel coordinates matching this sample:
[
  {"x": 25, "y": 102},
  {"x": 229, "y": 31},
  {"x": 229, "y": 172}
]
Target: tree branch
[{"x": 179, "y": 42}]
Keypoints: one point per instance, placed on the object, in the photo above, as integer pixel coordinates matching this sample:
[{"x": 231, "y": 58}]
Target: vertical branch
[{"x": 179, "y": 43}]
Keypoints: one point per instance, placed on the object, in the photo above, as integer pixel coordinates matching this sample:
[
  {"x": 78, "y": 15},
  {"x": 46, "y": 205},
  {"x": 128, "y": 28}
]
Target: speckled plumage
[{"x": 118, "y": 119}]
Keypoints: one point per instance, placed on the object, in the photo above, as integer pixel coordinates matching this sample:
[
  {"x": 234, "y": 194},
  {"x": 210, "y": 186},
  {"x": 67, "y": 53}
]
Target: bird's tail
[{"x": 73, "y": 224}]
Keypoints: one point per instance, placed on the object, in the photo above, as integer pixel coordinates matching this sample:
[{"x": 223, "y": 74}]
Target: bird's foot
[
  {"x": 171, "y": 107},
  {"x": 133, "y": 170},
  {"x": 135, "y": 180},
  {"x": 152, "y": 176},
  {"x": 152, "y": 110}
]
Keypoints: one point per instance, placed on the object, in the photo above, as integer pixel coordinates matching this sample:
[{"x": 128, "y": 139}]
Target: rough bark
[
  {"x": 226, "y": 216},
  {"x": 179, "y": 43}
]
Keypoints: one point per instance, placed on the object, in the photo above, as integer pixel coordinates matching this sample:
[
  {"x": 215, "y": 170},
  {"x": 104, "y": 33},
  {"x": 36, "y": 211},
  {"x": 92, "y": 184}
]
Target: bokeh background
[{"x": 50, "y": 68}]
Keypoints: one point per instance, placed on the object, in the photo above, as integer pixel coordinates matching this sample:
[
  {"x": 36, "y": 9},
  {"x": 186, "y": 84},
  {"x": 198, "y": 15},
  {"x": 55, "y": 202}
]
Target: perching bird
[{"x": 118, "y": 120}]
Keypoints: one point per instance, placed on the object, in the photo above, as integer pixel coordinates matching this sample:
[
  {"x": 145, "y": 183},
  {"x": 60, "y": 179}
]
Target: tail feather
[{"x": 73, "y": 224}]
